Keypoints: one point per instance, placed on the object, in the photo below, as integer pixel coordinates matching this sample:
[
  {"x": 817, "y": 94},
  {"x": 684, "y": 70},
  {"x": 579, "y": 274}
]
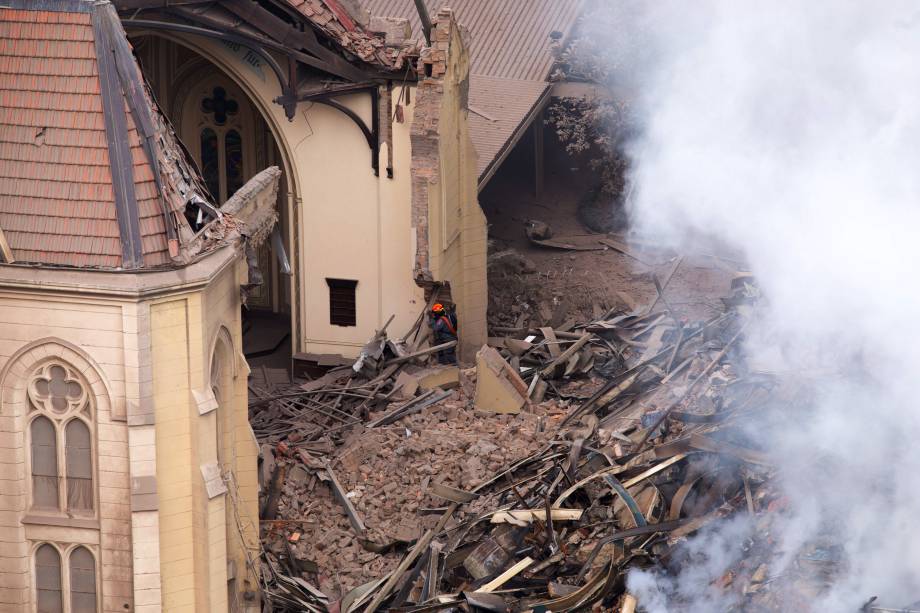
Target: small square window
[{"x": 342, "y": 303}]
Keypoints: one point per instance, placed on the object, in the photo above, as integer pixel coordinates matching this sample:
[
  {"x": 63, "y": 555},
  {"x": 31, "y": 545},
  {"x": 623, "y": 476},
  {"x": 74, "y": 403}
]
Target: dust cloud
[{"x": 790, "y": 130}]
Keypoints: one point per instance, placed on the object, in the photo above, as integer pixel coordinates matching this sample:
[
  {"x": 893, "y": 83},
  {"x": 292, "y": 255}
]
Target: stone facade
[{"x": 145, "y": 349}]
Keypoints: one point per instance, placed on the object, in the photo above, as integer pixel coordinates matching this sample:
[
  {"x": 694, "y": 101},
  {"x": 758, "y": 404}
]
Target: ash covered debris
[{"x": 634, "y": 435}]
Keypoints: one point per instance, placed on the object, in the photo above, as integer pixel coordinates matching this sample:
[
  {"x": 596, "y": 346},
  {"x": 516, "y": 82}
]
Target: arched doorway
[{"x": 227, "y": 136}]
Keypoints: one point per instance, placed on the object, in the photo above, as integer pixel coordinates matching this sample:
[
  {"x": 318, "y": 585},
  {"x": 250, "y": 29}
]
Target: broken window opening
[{"x": 342, "y": 302}]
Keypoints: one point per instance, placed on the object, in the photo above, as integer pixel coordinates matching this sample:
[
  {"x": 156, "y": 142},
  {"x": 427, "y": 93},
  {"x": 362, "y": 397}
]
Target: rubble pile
[
  {"x": 387, "y": 473},
  {"x": 535, "y": 481}
]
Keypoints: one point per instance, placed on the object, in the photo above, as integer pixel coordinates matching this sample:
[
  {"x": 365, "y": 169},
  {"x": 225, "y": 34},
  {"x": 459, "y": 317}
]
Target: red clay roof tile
[{"x": 57, "y": 202}]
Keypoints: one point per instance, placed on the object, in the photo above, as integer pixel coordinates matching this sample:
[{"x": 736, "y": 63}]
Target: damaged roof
[
  {"x": 511, "y": 56},
  {"x": 510, "y": 38},
  {"x": 500, "y": 109},
  {"x": 91, "y": 175},
  {"x": 337, "y": 22}
]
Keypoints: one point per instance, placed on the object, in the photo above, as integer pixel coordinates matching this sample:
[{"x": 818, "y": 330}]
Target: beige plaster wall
[
  {"x": 234, "y": 517},
  {"x": 199, "y": 532},
  {"x": 351, "y": 224}
]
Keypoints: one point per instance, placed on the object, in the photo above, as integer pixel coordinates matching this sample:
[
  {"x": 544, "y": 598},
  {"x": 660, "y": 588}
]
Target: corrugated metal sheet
[
  {"x": 509, "y": 38},
  {"x": 498, "y": 109},
  {"x": 56, "y": 200}
]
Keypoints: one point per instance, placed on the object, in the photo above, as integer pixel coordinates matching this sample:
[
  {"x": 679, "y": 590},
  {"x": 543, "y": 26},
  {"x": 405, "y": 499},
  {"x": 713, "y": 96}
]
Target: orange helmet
[{"x": 437, "y": 308}]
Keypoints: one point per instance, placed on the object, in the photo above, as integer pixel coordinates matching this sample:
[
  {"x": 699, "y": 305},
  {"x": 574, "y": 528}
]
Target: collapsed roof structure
[
  {"x": 512, "y": 46},
  {"x": 92, "y": 174}
]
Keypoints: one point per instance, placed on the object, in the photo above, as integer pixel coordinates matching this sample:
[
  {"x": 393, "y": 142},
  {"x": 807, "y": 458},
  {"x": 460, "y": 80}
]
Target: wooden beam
[
  {"x": 154, "y": 4},
  {"x": 286, "y": 34},
  {"x": 538, "y": 165},
  {"x": 425, "y": 18},
  {"x": 121, "y": 164}
]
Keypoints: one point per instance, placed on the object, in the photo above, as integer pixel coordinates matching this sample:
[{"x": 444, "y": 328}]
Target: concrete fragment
[
  {"x": 444, "y": 377},
  {"x": 409, "y": 382},
  {"x": 395, "y": 30},
  {"x": 537, "y": 230},
  {"x": 405, "y": 386},
  {"x": 298, "y": 475},
  {"x": 499, "y": 388}
]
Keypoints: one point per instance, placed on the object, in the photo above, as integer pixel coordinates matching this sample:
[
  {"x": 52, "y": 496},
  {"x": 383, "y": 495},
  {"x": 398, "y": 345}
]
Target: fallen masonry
[{"x": 533, "y": 482}]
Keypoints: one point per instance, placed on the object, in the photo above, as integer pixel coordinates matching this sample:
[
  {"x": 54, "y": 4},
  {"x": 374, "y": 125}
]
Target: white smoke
[{"x": 791, "y": 129}]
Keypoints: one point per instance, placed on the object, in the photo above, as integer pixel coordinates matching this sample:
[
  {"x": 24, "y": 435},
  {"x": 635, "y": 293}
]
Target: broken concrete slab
[
  {"x": 410, "y": 381},
  {"x": 499, "y": 388},
  {"x": 444, "y": 377}
]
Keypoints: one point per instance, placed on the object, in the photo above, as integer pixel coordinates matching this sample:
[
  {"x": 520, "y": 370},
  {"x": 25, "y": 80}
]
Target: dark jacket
[{"x": 445, "y": 330}]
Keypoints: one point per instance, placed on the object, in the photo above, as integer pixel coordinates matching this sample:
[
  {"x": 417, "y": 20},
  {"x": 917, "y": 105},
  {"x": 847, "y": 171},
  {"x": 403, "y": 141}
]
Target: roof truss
[{"x": 267, "y": 27}]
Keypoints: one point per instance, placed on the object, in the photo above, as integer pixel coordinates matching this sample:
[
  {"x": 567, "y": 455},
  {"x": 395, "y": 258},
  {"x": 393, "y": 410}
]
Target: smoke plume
[{"x": 791, "y": 130}]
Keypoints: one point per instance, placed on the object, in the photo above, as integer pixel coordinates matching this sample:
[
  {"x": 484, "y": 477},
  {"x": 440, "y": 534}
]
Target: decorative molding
[
  {"x": 60, "y": 520},
  {"x": 205, "y": 400},
  {"x": 213, "y": 482}
]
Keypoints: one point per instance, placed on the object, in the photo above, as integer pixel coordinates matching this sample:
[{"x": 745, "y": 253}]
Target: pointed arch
[
  {"x": 60, "y": 439},
  {"x": 49, "y": 592},
  {"x": 14, "y": 376}
]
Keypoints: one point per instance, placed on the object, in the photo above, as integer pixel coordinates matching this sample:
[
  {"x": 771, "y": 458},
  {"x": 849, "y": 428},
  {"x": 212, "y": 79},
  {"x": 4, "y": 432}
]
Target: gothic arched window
[
  {"x": 48, "y": 591},
  {"x": 82, "y": 581},
  {"x": 220, "y": 131},
  {"x": 61, "y": 441}
]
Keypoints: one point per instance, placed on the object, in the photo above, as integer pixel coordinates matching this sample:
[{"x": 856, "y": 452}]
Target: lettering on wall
[{"x": 247, "y": 57}]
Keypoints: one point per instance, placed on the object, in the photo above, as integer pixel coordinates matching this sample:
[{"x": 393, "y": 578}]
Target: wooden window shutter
[{"x": 342, "y": 302}]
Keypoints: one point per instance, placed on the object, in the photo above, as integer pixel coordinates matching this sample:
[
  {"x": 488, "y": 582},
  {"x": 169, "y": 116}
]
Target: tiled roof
[
  {"x": 57, "y": 201},
  {"x": 498, "y": 111},
  {"x": 509, "y": 38}
]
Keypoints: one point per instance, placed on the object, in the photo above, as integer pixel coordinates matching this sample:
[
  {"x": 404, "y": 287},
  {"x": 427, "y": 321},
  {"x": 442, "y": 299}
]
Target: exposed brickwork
[{"x": 449, "y": 225}]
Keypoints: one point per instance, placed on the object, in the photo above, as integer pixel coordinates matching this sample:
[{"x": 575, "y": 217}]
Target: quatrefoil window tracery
[{"x": 57, "y": 389}]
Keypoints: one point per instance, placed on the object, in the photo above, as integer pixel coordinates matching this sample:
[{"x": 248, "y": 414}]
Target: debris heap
[{"x": 535, "y": 481}]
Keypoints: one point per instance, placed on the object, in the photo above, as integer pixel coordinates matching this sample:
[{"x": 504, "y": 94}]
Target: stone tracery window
[
  {"x": 45, "y": 493},
  {"x": 48, "y": 587},
  {"x": 82, "y": 581},
  {"x": 65, "y": 584},
  {"x": 222, "y": 146},
  {"x": 61, "y": 444}
]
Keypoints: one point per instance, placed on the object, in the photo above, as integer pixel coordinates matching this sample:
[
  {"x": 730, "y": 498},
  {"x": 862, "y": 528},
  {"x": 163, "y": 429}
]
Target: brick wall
[{"x": 450, "y": 227}]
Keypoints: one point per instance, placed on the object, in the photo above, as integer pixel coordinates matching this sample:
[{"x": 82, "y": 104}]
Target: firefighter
[{"x": 444, "y": 326}]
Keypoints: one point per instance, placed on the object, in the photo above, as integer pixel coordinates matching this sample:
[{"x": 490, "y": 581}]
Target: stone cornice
[{"x": 130, "y": 285}]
